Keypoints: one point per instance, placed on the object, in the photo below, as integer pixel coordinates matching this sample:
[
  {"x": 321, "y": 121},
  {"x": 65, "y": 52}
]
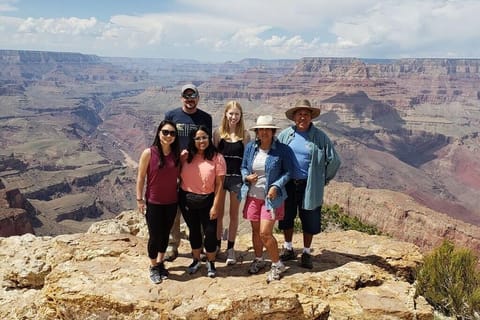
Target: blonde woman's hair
[{"x": 239, "y": 129}]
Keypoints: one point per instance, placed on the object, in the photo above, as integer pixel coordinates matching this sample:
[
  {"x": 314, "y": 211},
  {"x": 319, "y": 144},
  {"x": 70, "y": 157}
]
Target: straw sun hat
[{"x": 264, "y": 122}]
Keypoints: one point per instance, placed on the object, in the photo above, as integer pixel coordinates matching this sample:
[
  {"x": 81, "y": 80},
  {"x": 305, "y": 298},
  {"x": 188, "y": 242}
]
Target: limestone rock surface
[{"x": 104, "y": 275}]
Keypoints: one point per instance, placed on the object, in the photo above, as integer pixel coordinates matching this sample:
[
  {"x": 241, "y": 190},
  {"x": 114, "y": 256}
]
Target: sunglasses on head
[
  {"x": 192, "y": 95},
  {"x": 168, "y": 132}
]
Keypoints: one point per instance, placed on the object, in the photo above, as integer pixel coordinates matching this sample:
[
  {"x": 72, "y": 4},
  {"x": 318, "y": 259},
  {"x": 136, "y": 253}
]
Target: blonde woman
[{"x": 230, "y": 139}]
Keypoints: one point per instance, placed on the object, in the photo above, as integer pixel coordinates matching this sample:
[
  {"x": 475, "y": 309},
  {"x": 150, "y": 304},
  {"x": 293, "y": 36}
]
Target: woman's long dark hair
[
  {"x": 209, "y": 152},
  {"x": 174, "y": 146}
]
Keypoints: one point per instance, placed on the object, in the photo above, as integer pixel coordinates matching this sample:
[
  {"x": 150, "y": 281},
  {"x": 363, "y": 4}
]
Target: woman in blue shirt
[{"x": 266, "y": 168}]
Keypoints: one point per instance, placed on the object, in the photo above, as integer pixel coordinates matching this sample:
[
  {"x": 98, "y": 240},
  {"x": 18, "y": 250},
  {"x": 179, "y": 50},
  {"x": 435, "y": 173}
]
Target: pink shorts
[{"x": 255, "y": 210}]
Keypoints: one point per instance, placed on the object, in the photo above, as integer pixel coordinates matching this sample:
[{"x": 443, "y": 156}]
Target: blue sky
[{"x": 222, "y": 30}]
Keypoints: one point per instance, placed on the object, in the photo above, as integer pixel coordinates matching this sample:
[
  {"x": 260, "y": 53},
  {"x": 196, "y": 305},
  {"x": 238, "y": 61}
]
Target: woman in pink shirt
[
  {"x": 159, "y": 165},
  {"x": 202, "y": 174}
]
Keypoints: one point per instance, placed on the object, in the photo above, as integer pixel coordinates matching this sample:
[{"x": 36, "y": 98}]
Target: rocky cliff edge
[{"x": 103, "y": 274}]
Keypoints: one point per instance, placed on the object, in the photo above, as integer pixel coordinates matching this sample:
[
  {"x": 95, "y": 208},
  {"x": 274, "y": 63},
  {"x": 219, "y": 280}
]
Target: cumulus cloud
[
  {"x": 211, "y": 29},
  {"x": 71, "y": 26},
  {"x": 408, "y": 27}
]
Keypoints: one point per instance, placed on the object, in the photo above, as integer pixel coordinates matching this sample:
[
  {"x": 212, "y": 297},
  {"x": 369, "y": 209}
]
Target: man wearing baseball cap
[
  {"x": 187, "y": 118},
  {"x": 316, "y": 164}
]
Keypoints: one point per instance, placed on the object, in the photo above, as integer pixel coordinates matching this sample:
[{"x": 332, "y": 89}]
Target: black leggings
[
  {"x": 197, "y": 219},
  {"x": 160, "y": 219}
]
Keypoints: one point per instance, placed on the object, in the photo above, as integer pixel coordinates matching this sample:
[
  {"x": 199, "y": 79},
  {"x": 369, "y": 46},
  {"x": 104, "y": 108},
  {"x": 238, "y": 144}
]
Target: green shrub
[
  {"x": 450, "y": 282},
  {"x": 333, "y": 216}
]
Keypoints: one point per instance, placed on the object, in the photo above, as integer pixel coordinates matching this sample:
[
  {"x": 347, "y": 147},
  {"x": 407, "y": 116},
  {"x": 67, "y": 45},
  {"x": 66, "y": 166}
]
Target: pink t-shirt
[{"x": 199, "y": 175}]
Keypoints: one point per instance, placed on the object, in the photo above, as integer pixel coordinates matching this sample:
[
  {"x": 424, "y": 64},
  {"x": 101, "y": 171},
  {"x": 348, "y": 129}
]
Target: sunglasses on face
[
  {"x": 168, "y": 132},
  {"x": 190, "y": 96},
  {"x": 200, "y": 138}
]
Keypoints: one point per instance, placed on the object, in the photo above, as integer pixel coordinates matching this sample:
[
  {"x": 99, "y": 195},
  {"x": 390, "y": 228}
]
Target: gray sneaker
[
  {"x": 287, "y": 254},
  {"x": 306, "y": 261},
  {"x": 256, "y": 266},
  {"x": 231, "y": 259},
  {"x": 155, "y": 275},
  {"x": 275, "y": 273}
]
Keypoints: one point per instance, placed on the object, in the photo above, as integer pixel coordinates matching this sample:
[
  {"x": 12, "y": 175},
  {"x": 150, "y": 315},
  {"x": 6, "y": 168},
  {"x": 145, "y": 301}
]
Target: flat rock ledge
[{"x": 103, "y": 274}]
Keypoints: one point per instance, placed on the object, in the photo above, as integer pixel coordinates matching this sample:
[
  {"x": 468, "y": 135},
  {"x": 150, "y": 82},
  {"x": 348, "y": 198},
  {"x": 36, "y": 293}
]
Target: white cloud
[
  {"x": 212, "y": 30},
  {"x": 71, "y": 26},
  {"x": 249, "y": 37},
  {"x": 405, "y": 28}
]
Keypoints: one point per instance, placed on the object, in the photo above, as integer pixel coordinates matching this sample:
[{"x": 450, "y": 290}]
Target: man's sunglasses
[
  {"x": 190, "y": 96},
  {"x": 168, "y": 132}
]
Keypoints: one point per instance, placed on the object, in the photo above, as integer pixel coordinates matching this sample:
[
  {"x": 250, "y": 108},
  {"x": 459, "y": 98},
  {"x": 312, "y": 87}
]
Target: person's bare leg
[
  {"x": 220, "y": 215},
  {"x": 288, "y": 235},
  {"x": 160, "y": 257},
  {"x": 234, "y": 211},
  {"x": 196, "y": 254},
  {"x": 256, "y": 240},
  {"x": 268, "y": 240},
  {"x": 307, "y": 239},
  {"x": 211, "y": 256}
]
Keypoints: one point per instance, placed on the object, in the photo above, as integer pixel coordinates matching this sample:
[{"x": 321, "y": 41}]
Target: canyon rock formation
[{"x": 73, "y": 126}]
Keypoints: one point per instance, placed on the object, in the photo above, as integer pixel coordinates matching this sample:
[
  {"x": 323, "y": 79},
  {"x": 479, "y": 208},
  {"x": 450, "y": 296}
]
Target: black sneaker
[
  {"x": 155, "y": 275},
  {"x": 287, "y": 254},
  {"x": 162, "y": 271},
  {"x": 193, "y": 267},
  {"x": 306, "y": 261}
]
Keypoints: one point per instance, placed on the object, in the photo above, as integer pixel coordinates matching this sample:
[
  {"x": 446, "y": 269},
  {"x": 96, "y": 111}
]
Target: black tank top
[{"x": 233, "y": 154}]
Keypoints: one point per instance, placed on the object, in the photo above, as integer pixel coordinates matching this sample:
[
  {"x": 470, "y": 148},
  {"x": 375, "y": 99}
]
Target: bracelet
[{"x": 139, "y": 199}]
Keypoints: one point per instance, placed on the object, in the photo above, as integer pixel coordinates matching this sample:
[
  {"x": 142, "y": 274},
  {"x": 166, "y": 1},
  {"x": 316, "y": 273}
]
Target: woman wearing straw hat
[
  {"x": 266, "y": 168},
  {"x": 316, "y": 164}
]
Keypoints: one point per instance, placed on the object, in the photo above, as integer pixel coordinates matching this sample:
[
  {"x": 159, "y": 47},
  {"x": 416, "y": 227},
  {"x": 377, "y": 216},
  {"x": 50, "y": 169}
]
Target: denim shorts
[{"x": 232, "y": 183}]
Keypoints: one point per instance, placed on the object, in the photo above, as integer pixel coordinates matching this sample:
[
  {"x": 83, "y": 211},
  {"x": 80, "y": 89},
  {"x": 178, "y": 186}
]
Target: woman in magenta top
[
  {"x": 159, "y": 165},
  {"x": 202, "y": 174}
]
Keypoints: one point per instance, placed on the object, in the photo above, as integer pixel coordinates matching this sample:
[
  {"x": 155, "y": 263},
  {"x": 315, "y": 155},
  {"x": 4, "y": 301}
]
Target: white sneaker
[
  {"x": 231, "y": 259},
  {"x": 275, "y": 272}
]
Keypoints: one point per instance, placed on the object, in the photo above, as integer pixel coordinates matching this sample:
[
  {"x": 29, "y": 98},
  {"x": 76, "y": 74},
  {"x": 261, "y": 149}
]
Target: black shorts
[
  {"x": 311, "y": 219},
  {"x": 232, "y": 183}
]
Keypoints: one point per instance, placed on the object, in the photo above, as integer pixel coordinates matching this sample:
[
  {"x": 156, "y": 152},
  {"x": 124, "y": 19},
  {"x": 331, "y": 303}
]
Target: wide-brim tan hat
[
  {"x": 302, "y": 104},
  {"x": 265, "y": 122}
]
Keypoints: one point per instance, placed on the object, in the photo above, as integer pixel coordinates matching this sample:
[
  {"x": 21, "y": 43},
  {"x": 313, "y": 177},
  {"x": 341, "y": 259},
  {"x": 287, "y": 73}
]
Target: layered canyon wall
[{"x": 72, "y": 126}]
